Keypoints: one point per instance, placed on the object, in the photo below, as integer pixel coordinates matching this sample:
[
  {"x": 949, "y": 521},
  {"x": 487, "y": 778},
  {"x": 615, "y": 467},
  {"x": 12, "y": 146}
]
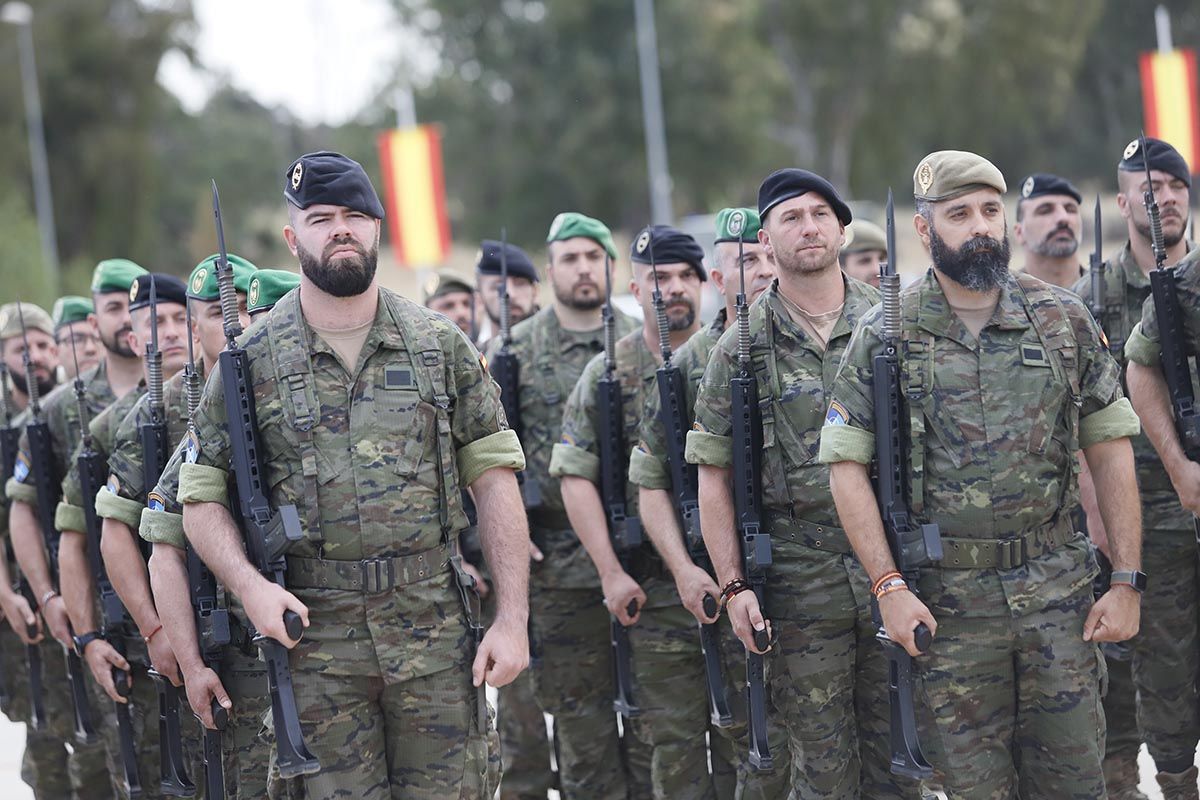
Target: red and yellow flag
[
  {"x": 415, "y": 195},
  {"x": 1170, "y": 101}
]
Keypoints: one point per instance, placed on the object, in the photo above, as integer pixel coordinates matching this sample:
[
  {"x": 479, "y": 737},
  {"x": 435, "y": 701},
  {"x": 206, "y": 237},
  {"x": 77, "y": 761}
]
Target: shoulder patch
[
  {"x": 837, "y": 414},
  {"x": 191, "y": 447},
  {"x": 113, "y": 484},
  {"x": 155, "y": 502},
  {"x": 21, "y": 467},
  {"x": 567, "y": 439}
]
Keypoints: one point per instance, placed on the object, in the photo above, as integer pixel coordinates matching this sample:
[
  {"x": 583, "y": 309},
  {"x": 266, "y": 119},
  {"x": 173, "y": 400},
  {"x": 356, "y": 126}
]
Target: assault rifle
[
  {"x": 913, "y": 545},
  {"x": 673, "y": 416},
  {"x": 172, "y": 766},
  {"x": 114, "y": 625},
  {"x": 49, "y": 486},
  {"x": 9, "y": 445},
  {"x": 747, "y": 436},
  {"x": 267, "y": 531},
  {"x": 624, "y": 531}
]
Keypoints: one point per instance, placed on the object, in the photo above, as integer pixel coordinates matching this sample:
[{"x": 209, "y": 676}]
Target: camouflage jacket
[
  {"x": 648, "y": 465},
  {"x": 795, "y": 376},
  {"x": 1003, "y": 415},
  {"x": 1126, "y": 288},
  {"x": 373, "y": 461},
  {"x": 18, "y": 421}
]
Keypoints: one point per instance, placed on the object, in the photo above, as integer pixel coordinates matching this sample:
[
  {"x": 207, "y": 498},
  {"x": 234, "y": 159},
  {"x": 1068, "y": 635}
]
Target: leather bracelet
[
  {"x": 887, "y": 576},
  {"x": 899, "y": 586},
  {"x": 733, "y": 589},
  {"x": 152, "y": 634},
  {"x": 47, "y": 597}
]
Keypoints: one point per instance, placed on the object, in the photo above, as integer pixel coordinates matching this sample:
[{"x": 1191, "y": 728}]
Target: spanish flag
[
  {"x": 415, "y": 195},
  {"x": 1170, "y": 101}
]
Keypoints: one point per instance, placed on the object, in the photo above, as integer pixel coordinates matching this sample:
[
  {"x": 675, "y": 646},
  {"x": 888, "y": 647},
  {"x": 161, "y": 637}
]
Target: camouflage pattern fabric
[
  {"x": 573, "y": 677},
  {"x": 1007, "y": 638},
  {"x": 372, "y": 661},
  {"x": 827, "y": 674}
]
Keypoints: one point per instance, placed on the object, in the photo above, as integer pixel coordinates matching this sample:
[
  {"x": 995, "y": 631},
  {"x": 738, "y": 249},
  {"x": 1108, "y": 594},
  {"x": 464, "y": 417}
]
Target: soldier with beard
[
  {"x": 522, "y": 286},
  {"x": 1005, "y": 380},
  {"x": 1048, "y": 228},
  {"x": 372, "y": 412}
]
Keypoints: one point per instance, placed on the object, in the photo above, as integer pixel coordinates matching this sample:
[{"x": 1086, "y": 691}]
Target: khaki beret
[
  {"x": 862, "y": 236},
  {"x": 950, "y": 173},
  {"x": 444, "y": 282},
  {"x": 36, "y": 319}
]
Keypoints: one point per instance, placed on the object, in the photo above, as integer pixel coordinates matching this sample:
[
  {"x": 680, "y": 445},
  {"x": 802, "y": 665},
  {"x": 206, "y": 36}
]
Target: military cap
[
  {"x": 167, "y": 289},
  {"x": 332, "y": 179},
  {"x": 1161, "y": 156},
  {"x": 36, "y": 319},
  {"x": 863, "y": 236},
  {"x": 202, "y": 283},
  {"x": 71, "y": 308},
  {"x": 669, "y": 246},
  {"x": 950, "y": 173},
  {"x": 733, "y": 228},
  {"x": 267, "y": 286},
  {"x": 444, "y": 282},
  {"x": 519, "y": 265},
  {"x": 784, "y": 184},
  {"x": 114, "y": 275},
  {"x": 570, "y": 224},
  {"x": 1043, "y": 183}
]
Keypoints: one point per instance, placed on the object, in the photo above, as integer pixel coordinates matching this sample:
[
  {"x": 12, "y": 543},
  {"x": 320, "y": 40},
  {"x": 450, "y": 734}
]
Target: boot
[
  {"x": 1179, "y": 785},
  {"x": 1121, "y": 777}
]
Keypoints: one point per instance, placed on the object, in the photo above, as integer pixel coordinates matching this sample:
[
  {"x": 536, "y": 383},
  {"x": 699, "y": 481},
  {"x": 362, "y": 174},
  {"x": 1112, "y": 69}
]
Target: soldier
[
  {"x": 267, "y": 287},
  {"x": 449, "y": 294},
  {"x": 383, "y": 676},
  {"x": 865, "y": 249},
  {"x": 827, "y": 675},
  {"x": 1165, "y": 663},
  {"x": 670, "y": 753},
  {"x": 573, "y": 677},
  {"x": 522, "y": 285},
  {"x": 1005, "y": 380},
  {"x": 75, "y": 333},
  {"x": 1048, "y": 228},
  {"x": 650, "y": 470}
]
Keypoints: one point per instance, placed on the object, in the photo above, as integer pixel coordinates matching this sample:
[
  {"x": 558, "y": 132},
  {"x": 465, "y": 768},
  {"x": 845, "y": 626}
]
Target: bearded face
[
  {"x": 979, "y": 264},
  {"x": 345, "y": 267}
]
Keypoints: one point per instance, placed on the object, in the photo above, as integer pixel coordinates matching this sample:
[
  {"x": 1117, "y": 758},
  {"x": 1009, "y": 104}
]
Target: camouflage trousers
[
  {"x": 1166, "y": 651},
  {"x": 524, "y": 748},
  {"x": 828, "y": 677},
  {"x": 416, "y": 740},
  {"x": 247, "y": 744},
  {"x": 1123, "y": 740},
  {"x": 1015, "y": 704}
]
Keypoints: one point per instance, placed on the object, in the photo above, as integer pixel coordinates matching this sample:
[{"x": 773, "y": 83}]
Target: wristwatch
[
  {"x": 83, "y": 640},
  {"x": 1132, "y": 577}
]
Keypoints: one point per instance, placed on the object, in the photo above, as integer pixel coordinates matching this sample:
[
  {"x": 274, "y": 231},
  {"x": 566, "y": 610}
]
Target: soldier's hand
[
  {"x": 1186, "y": 480},
  {"x": 265, "y": 605},
  {"x": 902, "y": 612},
  {"x": 55, "y": 614},
  {"x": 1115, "y": 617},
  {"x": 21, "y": 617},
  {"x": 535, "y": 553},
  {"x": 694, "y": 585},
  {"x": 102, "y": 658},
  {"x": 162, "y": 658},
  {"x": 622, "y": 593},
  {"x": 481, "y": 586},
  {"x": 203, "y": 686},
  {"x": 745, "y": 615},
  {"x": 502, "y": 654}
]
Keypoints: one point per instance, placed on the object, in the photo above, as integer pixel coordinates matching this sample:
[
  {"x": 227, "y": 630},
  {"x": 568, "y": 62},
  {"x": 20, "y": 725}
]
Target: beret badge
[
  {"x": 1130, "y": 149},
  {"x": 925, "y": 176},
  {"x": 1027, "y": 188},
  {"x": 737, "y": 223},
  {"x": 643, "y": 241},
  {"x": 297, "y": 174},
  {"x": 133, "y": 290}
]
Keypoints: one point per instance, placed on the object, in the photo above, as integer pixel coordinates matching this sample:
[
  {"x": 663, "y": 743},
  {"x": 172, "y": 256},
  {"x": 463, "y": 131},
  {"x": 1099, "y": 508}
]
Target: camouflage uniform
[
  {"x": 649, "y": 469},
  {"x": 826, "y": 670},
  {"x": 1013, "y": 689},
  {"x": 1166, "y": 667},
  {"x": 669, "y": 755},
  {"x": 572, "y": 673},
  {"x": 88, "y": 766},
  {"x": 382, "y": 676}
]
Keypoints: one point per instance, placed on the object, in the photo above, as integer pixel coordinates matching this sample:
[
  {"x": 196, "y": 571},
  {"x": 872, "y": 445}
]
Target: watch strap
[
  {"x": 84, "y": 639},
  {"x": 1129, "y": 577}
]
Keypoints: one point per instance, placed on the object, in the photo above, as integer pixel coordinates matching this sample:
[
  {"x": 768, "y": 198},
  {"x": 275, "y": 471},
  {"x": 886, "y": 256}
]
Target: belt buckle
[
  {"x": 378, "y": 575},
  {"x": 1011, "y": 553}
]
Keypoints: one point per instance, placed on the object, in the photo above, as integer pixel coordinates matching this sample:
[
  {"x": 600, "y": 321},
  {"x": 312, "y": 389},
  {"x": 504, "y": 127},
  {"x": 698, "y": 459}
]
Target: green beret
[
  {"x": 570, "y": 224},
  {"x": 202, "y": 284},
  {"x": 863, "y": 236},
  {"x": 744, "y": 228},
  {"x": 36, "y": 319},
  {"x": 71, "y": 308},
  {"x": 444, "y": 282},
  {"x": 115, "y": 275},
  {"x": 950, "y": 173},
  {"x": 267, "y": 286}
]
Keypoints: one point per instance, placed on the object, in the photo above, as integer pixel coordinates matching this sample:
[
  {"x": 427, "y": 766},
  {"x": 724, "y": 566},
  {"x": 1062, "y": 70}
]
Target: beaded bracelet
[
  {"x": 733, "y": 589},
  {"x": 147, "y": 639}
]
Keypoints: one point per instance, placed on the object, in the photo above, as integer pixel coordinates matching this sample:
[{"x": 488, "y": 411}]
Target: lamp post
[
  {"x": 652, "y": 114},
  {"x": 20, "y": 14}
]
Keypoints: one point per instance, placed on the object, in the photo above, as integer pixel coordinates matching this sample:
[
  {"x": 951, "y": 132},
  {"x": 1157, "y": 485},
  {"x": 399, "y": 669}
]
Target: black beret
[
  {"x": 167, "y": 289},
  {"x": 784, "y": 184},
  {"x": 519, "y": 265},
  {"x": 669, "y": 246},
  {"x": 331, "y": 179},
  {"x": 1041, "y": 183},
  {"x": 1161, "y": 156}
]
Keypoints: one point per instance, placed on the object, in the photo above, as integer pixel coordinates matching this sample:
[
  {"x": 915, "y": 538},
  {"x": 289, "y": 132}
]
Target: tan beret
[
  {"x": 36, "y": 319},
  {"x": 949, "y": 173},
  {"x": 862, "y": 236},
  {"x": 444, "y": 282}
]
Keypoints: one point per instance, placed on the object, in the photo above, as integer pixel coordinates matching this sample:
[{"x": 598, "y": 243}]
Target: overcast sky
[{"x": 321, "y": 59}]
